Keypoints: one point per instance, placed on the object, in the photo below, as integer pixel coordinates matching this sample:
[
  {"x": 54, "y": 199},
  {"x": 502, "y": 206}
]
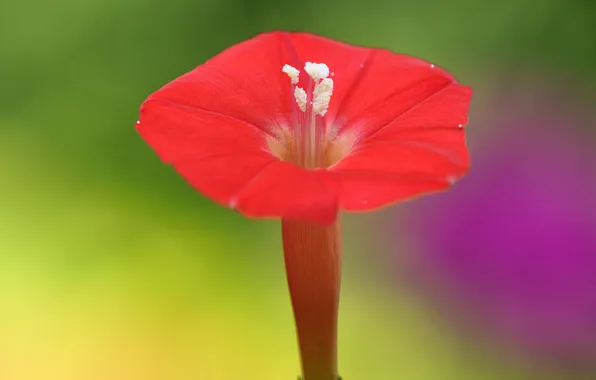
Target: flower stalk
[{"x": 313, "y": 266}]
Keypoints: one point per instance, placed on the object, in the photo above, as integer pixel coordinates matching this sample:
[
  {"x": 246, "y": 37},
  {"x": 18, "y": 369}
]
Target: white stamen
[
  {"x": 322, "y": 96},
  {"x": 323, "y": 89},
  {"x": 292, "y": 72},
  {"x": 316, "y": 70},
  {"x": 300, "y": 96}
]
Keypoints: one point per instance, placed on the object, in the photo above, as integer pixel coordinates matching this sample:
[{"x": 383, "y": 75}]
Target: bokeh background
[{"x": 111, "y": 267}]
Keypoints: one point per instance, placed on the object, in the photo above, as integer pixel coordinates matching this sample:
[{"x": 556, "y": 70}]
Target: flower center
[{"x": 306, "y": 143}]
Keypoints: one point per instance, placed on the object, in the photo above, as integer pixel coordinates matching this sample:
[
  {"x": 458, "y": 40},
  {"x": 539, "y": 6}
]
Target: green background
[{"x": 111, "y": 267}]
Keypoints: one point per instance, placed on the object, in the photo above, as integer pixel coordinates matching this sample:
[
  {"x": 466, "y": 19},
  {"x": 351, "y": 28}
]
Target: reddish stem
[{"x": 313, "y": 267}]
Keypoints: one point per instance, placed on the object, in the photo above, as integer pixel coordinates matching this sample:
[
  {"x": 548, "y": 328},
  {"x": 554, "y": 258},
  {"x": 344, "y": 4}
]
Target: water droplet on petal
[
  {"x": 432, "y": 66},
  {"x": 460, "y": 125}
]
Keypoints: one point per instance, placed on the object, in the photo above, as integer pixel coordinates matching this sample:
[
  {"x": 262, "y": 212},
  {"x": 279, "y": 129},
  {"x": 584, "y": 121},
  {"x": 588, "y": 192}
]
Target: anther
[
  {"x": 322, "y": 96},
  {"x": 300, "y": 96},
  {"x": 316, "y": 71},
  {"x": 292, "y": 72},
  {"x": 323, "y": 89}
]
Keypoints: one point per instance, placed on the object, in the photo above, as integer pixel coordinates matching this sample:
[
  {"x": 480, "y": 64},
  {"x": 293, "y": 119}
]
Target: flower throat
[{"x": 306, "y": 143}]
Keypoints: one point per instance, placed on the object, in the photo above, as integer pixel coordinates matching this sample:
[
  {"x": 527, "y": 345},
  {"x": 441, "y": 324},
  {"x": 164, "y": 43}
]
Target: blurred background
[{"x": 111, "y": 267}]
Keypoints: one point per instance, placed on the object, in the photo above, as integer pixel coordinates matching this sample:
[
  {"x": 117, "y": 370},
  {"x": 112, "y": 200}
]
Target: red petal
[
  {"x": 212, "y": 123},
  {"x": 438, "y": 115},
  {"x": 371, "y": 86},
  {"x": 386, "y": 173},
  {"x": 404, "y": 158},
  {"x": 225, "y": 160},
  {"x": 222, "y": 177},
  {"x": 244, "y": 82},
  {"x": 216, "y": 154},
  {"x": 177, "y": 132},
  {"x": 421, "y": 150},
  {"x": 366, "y": 191},
  {"x": 283, "y": 189}
]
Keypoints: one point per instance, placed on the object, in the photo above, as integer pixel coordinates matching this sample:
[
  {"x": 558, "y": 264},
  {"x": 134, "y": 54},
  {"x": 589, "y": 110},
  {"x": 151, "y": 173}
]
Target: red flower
[
  {"x": 378, "y": 128},
  {"x": 365, "y": 128}
]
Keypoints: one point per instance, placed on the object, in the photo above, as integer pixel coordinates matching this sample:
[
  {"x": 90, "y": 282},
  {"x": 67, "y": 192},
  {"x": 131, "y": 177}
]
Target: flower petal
[
  {"x": 386, "y": 173},
  {"x": 222, "y": 177},
  {"x": 177, "y": 131},
  {"x": 284, "y": 189},
  {"x": 405, "y": 158},
  {"x": 421, "y": 150},
  {"x": 216, "y": 154},
  {"x": 366, "y": 191},
  {"x": 371, "y": 86},
  {"x": 225, "y": 159},
  {"x": 244, "y": 82},
  {"x": 212, "y": 122},
  {"x": 441, "y": 114},
  {"x": 393, "y": 85}
]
